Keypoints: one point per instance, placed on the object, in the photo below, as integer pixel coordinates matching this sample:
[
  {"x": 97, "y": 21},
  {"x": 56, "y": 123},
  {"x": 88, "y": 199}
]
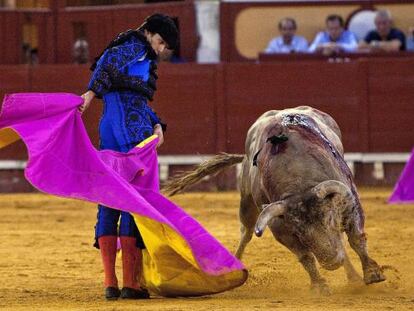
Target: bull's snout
[{"x": 333, "y": 263}]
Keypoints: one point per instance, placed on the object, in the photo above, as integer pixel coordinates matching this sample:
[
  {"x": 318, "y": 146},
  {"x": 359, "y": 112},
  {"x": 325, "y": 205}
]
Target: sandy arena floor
[{"x": 47, "y": 261}]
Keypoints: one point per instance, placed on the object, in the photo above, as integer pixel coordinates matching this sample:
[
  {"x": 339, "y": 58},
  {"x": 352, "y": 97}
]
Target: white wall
[{"x": 208, "y": 17}]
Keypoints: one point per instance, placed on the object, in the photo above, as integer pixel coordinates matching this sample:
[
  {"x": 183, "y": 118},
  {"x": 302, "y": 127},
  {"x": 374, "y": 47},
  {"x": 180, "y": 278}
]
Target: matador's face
[{"x": 157, "y": 42}]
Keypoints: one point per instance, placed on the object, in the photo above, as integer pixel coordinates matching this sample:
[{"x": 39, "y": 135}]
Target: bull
[{"x": 294, "y": 179}]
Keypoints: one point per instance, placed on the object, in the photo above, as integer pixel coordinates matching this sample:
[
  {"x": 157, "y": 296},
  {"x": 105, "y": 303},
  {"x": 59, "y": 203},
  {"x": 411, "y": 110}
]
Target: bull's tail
[{"x": 207, "y": 168}]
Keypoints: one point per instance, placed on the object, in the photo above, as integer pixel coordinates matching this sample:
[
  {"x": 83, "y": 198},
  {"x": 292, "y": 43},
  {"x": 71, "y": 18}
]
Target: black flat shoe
[
  {"x": 132, "y": 293},
  {"x": 112, "y": 293}
]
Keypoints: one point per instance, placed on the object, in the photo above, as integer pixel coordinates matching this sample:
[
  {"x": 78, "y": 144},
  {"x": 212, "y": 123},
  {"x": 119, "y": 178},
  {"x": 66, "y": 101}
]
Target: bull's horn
[
  {"x": 270, "y": 211},
  {"x": 328, "y": 187}
]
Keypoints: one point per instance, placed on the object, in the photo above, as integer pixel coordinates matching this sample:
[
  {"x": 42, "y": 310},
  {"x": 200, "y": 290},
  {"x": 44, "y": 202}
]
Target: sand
[{"x": 47, "y": 261}]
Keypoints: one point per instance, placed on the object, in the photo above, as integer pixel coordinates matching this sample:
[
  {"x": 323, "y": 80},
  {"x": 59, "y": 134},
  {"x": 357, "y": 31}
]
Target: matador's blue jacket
[{"x": 119, "y": 77}]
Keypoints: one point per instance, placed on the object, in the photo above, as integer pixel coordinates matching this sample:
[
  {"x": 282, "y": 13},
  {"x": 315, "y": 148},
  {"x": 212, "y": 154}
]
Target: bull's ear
[
  {"x": 270, "y": 211},
  {"x": 337, "y": 193},
  {"x": 330, "y": 188}
]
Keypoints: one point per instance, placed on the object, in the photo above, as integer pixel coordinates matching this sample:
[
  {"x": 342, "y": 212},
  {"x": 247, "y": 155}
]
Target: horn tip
[{"x": 258, "y": 232}]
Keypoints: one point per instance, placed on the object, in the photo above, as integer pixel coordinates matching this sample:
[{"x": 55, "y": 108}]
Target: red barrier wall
[
  {"x": 105, "y": 22},
  {"x": 254, "y": 89},
  {"x": 56, "y": 28},
  {"x": 10, "y": 36},
  {"x": 187, "y": 100},
  {"x": 390, "y": 110},
  {"x": 208, "y": 108}
]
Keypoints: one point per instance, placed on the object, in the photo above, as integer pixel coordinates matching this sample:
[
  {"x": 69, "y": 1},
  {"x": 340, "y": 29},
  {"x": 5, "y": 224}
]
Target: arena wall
[
  {"x": 55, "y": 30},
  {"x": 209, "y": 108}
]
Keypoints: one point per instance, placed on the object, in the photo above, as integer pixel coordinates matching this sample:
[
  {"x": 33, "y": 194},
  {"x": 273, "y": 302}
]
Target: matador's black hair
[
  {"x": 164, "y": 26},
  {"x": 156, "y": 23}
]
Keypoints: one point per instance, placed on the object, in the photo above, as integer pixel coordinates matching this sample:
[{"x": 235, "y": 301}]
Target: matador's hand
[
  {"x": 158, "y": 131},
  {"x": 87, "y": 99}
]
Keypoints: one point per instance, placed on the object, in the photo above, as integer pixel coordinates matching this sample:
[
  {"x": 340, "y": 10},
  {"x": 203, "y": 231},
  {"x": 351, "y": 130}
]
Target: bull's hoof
[
  {"x": 321, "y": 288},
  {"x": 373, "y": 275}
]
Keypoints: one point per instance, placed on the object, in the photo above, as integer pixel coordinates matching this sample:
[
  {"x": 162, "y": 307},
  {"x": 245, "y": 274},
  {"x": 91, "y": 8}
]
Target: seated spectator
[
  {"x": 80, "y": 51},
  {"x": 288, "y": 42},
  {"x": 30, "y": 55},
  {"x": 409, "y": 44},
  {"x": 384, "y": 38},
  {"x": 34, "y": 56},
  {"x": 335, "y": 39}
]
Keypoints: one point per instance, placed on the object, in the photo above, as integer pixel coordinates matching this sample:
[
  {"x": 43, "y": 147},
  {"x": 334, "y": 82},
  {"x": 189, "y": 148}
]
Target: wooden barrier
[
  {"x": 390, "y": 109},
  {"x": 102, "y": 23},
  {"x": 208, "y": 108},
  {"x": 337, "y": 89},
  {"x": 55, "y": 30}
]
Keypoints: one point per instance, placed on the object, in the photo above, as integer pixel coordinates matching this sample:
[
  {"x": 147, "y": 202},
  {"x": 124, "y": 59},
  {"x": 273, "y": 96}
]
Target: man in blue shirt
[
  {"x": 288, "y": 42},
  {"x": 384, "y": 38},
  {"x": 335, "y": 39},
  {"x": 409, "y": 43}
]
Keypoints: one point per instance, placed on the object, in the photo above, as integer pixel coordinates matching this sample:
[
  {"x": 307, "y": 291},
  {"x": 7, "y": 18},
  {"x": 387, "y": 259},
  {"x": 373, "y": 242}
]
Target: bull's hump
[
  {"x": 310, "y": 125},
  {"x": 314, "y": 133},
  {"x": 303, "y": 116}
]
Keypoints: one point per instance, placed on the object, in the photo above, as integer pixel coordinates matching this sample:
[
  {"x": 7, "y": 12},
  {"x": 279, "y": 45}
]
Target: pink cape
[
  {"x": 404, "y": 188},
  {"x": 182, "y": 258}
]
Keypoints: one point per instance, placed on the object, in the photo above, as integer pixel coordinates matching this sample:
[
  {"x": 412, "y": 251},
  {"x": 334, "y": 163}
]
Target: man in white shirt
[{"x": 288, "y": 42}]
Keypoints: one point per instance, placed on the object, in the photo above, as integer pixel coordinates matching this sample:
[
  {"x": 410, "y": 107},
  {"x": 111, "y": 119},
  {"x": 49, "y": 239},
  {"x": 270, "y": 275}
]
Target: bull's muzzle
[{"x": 333, "y": 263}]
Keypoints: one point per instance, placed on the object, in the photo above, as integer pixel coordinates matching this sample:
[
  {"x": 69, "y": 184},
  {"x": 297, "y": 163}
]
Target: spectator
[
  {"x": 384, "y": 38},
  {"x": 335, "y": 39},
  {"x": 30, "y": 55},
  {"x": 410, "y": 40},
  {"x": 288, "y": 42},
  {"x": 34, "y": 56},
  {"x": 80, "y": 51}
]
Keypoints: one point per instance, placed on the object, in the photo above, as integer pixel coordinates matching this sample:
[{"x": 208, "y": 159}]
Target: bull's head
[{"x": 316, "y": 218}]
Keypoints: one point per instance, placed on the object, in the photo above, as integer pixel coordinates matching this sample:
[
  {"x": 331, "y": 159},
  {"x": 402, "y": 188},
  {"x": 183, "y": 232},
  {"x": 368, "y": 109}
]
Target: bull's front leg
[
  {"x": 358, "y": 241},
  {"x": 318, "y": 283},
  {"x": 351, "y": 274},
  {"x": 282, "y": 234}
]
